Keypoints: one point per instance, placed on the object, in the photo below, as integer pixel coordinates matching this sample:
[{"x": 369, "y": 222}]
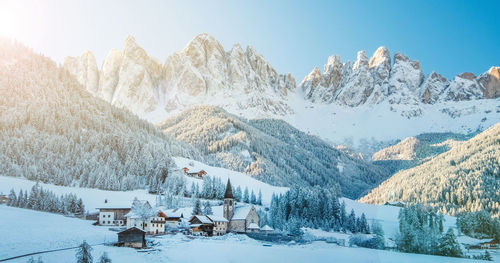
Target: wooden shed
[{"x": 132, "y": 237}]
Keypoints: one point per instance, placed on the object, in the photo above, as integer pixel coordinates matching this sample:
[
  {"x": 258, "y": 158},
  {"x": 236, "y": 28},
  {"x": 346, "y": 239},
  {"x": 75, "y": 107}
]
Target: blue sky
[{"x": 449, "y": 37}]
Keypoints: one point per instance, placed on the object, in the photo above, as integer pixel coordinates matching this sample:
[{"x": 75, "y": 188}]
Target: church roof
[
  {"x": 241, "y": 212},
  {"x": 229, "y": 190}
]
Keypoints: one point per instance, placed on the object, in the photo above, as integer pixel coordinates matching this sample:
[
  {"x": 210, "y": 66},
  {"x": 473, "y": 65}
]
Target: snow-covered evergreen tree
[
  {"x": 104, "y": 258},
  {"x": 449, "y": 246},
  {"x": 207, "y": 208},
  {"x": 197, "y": 208},
  {"x": 84, "y": 253}
]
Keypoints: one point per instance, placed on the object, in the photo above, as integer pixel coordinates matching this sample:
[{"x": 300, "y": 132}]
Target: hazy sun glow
[{"x": 17, "y": 19}]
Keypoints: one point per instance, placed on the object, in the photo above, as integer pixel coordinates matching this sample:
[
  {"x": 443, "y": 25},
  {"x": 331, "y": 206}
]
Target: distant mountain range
[{"x": 359, "y": 97}]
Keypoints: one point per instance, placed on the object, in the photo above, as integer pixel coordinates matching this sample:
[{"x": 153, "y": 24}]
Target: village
[{"x": 140, "y": 218}]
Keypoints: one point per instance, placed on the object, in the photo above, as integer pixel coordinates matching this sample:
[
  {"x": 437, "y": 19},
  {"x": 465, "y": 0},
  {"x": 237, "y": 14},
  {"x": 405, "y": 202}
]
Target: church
[{"x": 242, "y": 218}]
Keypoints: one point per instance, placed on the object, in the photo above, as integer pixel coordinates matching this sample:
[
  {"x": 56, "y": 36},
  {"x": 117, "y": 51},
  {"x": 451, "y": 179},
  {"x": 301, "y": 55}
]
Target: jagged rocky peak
[
  {"x": 361, "y": 61},
  {"x": 357, "y": 85},
  {"x": 381, "y": 56},
  {"x": 464, "y": 87},
  {"x": 490, "y": 83},
  {"x": 433, "y": 87},
  {"x": 406, "y": 77},
  {"x": 84, "y": 69},
  {"x": 204, "y": 70},
  {"x": 380, "y": 64},
  {"x": 129, "y": 78}
]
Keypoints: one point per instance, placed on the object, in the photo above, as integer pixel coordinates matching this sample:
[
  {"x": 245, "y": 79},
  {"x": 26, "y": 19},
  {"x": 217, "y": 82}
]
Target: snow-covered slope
[
  {"x": 237, "y": 178},
  {"x": 463, "y": 179},
  {"x": 271, "y": 150},
  {"x": 56, "y": 231},
  {"x": 371, "y": 99}
]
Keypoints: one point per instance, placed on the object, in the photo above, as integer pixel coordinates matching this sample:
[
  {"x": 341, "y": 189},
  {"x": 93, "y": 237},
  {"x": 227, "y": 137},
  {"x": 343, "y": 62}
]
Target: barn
[{"x": 132, "y": 237}]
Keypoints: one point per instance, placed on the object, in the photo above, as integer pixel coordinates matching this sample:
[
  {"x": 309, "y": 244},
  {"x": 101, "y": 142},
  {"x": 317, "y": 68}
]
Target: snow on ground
[
  {"x": 94, "y": 198},
  {"x": 386, "y": 215},
  {"x": 237, "y": 178},
  {"x": 42, "y": 231},
  {"x": 384, "y": 122},
  {"x": 23, "y": 231}
]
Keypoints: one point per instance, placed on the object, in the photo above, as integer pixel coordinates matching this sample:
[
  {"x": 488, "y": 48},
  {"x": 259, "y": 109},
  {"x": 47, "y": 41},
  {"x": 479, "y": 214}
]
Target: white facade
[
  {"x": 152, "y": 225},
  {"x": 108, "y": 219}
]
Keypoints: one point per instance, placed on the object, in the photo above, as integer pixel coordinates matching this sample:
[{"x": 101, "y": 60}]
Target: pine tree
[
  {"x": 379, "y": 235},
  {"x": 487, "y": 256},
  {"x": 104, "y": 258},
  {"x": 253, "y": 199},
  {"x": 259, "y": 198},
  {"x": 343, "y": 216},
  {"x": 448, "y": 245},
  {"x": 246, "y": 198},
  {"x": 12, "y": 198},
  {"x": 83, "y": 253},
  {"x": 197, "y": 207},
  {"x": 351, "y": 222},
  {"x": 207, "y": 208},
  {"x": 364, "y": 228},
  {"x": 237, "y": 194}
]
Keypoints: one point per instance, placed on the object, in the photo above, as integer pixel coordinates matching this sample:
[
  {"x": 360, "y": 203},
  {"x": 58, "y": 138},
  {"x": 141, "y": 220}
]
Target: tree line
[{"x": 46, "y": 200}]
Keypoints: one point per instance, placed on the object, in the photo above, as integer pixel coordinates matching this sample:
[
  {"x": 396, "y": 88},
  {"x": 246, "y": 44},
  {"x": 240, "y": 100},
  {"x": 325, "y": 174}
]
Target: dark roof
[
  {"x": 229, "y": 190},
  {"x": 132, "y": 229}
]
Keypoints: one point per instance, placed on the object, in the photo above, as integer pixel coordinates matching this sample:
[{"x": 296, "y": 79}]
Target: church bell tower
[{"x": 228, "y": 201}]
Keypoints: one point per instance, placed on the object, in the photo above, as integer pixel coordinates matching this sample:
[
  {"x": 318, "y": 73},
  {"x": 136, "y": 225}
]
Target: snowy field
[
  {"x": 378, "y": 123},
  {"x": 94, "y": 198},
  {"x": 237, "y": 178},
  {"x": 42, "y": 231},
  {"x": 387, "y": 216}
]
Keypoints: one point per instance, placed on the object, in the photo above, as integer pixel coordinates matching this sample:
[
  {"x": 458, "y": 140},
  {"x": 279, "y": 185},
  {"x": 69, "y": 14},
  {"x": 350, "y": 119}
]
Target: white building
[
  {"x": 144, "y": 217},
  {"x": 113, "y": 214}
]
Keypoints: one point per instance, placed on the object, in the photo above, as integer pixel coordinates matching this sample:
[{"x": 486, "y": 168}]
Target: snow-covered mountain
[
  {"x": 363, "y": 98},
  {"x": 271, "y": 150},
  {"x": 202, "y": 73},
  {"x": 374, "y": 80},
  {"x": 465, "y": 178}
]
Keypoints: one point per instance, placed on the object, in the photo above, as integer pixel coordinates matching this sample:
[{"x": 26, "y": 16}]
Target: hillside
[
  {"x": 465, "y": 178},
  {"x": 53, "y": 130},
  {"x": 413, "y": 151},
  {"x": 271, "y": 151}
]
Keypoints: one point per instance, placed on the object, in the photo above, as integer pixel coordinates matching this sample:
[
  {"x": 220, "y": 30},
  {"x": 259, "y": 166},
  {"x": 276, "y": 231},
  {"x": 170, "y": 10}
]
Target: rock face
[
  {"x": 243, "y": 82},
  {"x": 84, "y": 68},
  {"x": 375, "y": 81},
  {"x": 433, "y": 87},
  {"x": 202, "y": 73},
  {"x": 130, "y": 78},
  {"x": 490, "y": 83}
]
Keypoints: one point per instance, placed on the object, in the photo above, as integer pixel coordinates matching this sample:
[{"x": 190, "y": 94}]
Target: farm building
[
  {"x": 113, "y": 214},
  {"x": 201, "y": 225},
  {"x": 132, "y": 237},
  {"x": 198, "y": 175}
]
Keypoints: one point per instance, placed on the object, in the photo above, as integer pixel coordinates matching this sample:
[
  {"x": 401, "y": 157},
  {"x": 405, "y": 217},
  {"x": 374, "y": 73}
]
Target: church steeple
[
  {"x": 229, "y": 190},
  {"x": 228, "y": 201}
]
